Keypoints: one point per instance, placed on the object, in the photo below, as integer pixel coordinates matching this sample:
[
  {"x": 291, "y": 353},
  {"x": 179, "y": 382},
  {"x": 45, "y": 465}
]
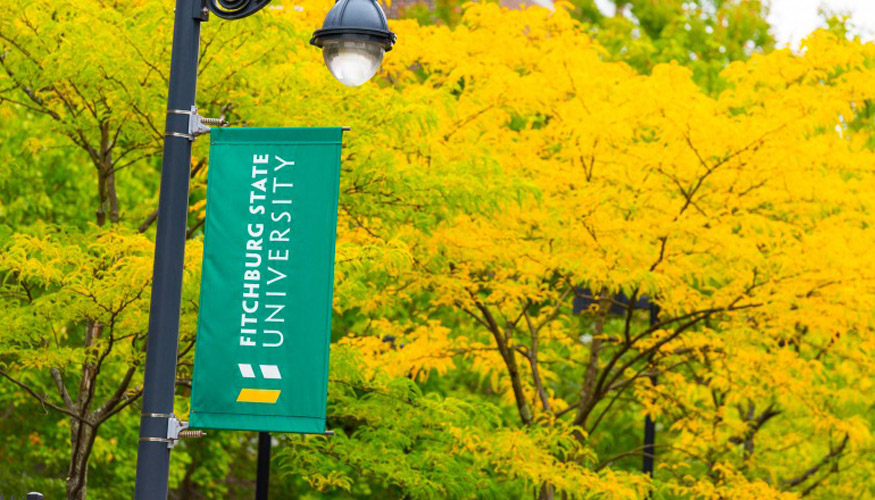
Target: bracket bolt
[
  {"x": 191, "y": 434},
  {"x": 214, "y": 122}
]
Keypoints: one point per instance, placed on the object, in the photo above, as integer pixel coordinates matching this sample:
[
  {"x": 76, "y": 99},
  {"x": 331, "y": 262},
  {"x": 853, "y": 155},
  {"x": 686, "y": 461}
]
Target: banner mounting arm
[
  {"x": 178, "y": 429},
  {"x": 197, "y": 124}
]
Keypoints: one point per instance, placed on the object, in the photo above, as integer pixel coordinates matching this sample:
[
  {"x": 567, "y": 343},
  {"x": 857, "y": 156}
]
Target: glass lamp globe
[
  {"x": 353, "y": 39},
  {"x": 352, "y": 62}
]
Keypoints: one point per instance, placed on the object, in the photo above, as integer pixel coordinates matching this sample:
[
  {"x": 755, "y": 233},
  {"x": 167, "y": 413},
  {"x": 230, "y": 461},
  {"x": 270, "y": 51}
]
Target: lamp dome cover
[{"x": 355, "y": 21}]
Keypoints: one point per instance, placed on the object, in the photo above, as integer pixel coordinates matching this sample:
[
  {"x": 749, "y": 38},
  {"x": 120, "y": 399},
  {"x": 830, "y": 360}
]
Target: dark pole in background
[
  {"x": 262, "y": 475},
  {"x": 649, "y": 424},
  {"x": 153, "y": 453},
  {"x": 583, "y": 300}
]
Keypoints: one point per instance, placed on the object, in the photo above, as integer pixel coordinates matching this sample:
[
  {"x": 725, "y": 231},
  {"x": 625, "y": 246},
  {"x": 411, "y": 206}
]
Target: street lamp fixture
[{"x": 353, "y": 39}]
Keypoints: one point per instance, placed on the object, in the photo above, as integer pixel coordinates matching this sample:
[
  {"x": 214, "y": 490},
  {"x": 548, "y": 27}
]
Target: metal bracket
[
  {"x": 199, "y": 10},
  {"x": 197, "y": 124},
  {"x": 177, "y": 429}
]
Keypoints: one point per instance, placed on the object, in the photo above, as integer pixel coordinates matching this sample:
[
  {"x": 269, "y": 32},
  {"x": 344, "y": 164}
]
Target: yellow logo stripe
[{"x": 258, "y": 396}]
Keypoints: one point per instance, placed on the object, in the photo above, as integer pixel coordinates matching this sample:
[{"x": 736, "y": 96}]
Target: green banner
[{"x": 261, "y": 358}]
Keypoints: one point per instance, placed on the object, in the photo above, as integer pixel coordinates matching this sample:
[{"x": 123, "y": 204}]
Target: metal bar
[
  {"x": 178, "y": 134},
  {"x": 153, "y": 455},
  {"x": 649, "y": 424},
  {"x": 649, "y": 441},
  {"x": 262, "y": 475}
]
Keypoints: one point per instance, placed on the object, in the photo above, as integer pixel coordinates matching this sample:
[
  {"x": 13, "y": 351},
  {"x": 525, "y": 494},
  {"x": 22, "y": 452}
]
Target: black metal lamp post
[{"x": 354, "y": 38}]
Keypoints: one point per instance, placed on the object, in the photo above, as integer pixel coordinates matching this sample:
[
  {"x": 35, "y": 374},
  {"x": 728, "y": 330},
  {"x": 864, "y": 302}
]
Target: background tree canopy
[{"x": 503, "y": 163}]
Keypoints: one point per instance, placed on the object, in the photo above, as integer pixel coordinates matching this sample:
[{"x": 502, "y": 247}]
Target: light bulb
[{"x": 352, "y": 63}]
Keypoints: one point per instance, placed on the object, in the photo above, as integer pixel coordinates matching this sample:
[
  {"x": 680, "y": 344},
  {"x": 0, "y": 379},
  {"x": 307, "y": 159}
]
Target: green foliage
[{"x": 704, "y": 35}]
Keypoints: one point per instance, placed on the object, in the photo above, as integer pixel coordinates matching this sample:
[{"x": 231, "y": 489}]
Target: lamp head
[{"x": 353, "y": 39}]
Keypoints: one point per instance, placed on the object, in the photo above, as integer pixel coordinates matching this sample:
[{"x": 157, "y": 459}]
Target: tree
[
  {"x": 85, "y": 82},
  {"x": 719, "y": 209}
]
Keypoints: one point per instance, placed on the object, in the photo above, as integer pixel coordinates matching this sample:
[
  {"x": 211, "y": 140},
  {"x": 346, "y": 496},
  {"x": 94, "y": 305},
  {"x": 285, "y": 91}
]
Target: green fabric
[{"x": 286, "y": 286}]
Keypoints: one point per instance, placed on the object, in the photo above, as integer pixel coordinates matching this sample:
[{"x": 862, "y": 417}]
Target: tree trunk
[
  {"x": 588, "y": 396},
  {"x": 101, "y": 197},
  {"x": 83, "y": 430},
  {"x": 546, "y": 492},
  {"x": 111, "y": 194},
  {"x": 107, "y": 198},
  {"x": 82, "y": 441}
]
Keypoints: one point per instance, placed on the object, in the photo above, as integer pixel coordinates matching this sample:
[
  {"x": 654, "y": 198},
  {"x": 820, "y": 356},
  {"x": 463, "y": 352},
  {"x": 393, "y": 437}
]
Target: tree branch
[
  {"x": 62, "y": 389},
  {"x": 801, "y": 478},
  {"x": 43, "y": 400},
  {"x": 509, "y": 357},
  {"x": 533, "y": 360},
  {"x": 101, "y": 413}
]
